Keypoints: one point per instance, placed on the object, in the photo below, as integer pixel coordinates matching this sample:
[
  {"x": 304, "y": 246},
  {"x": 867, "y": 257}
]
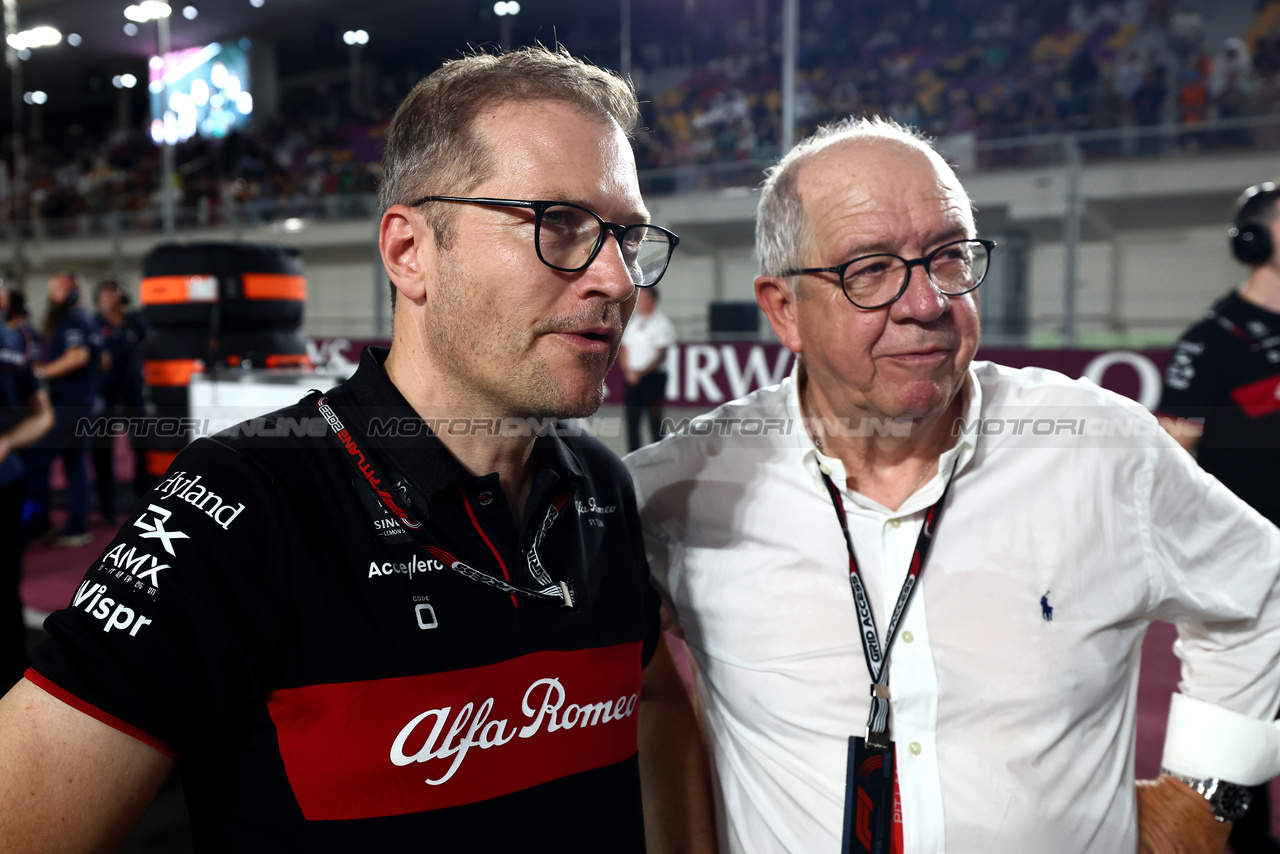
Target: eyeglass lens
[
  {"x": 954, "y": 269},
  {"x": 568, "y": 237}
]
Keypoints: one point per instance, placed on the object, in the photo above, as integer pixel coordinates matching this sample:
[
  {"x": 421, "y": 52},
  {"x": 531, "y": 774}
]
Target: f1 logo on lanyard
[
  {"x": 872, "y": 816},
  {"x": 871, "y": 791}
]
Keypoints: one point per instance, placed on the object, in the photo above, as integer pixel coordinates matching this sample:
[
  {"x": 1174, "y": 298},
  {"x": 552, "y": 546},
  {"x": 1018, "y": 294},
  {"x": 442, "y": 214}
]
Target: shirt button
[
  {"x": 894, "y": 523},
  {"x": 915, "y": 748},
  {"x": 824, "y": 468},
  {"x": 907, "y": 637}
]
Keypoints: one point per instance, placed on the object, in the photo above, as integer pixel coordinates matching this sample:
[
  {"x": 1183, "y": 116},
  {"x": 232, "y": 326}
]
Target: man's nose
[
  {"x": 608, "y": 274},
  {"x": 921, "y": 301}
]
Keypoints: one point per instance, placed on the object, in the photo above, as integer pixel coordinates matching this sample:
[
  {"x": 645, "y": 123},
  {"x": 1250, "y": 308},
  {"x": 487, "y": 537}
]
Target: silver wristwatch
[{"x": 1227, "y": 801}]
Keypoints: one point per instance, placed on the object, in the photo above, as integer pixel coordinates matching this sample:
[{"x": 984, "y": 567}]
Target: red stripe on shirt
[
  {"x": 1259, "y": 398},
  {"x": 48, "y": 686},
  {"x": 402, "y": 745}
]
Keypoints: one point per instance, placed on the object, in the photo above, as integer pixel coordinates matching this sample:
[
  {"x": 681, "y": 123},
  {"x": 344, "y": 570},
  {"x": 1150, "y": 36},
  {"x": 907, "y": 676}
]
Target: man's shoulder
[
  {"x": 735, "y": 434},
  {"x": 1044, "y": 393},
  {"x": 279, "y": 444},
  {"x": 1210, "y": 328},
  {"x": 594, "y": 455},
  {"x": 79, "y": 318}
]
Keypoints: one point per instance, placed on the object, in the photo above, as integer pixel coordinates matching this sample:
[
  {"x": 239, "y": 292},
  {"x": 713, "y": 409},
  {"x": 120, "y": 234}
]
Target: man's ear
[
  {"x": 408, "y": 249},
  {"x": 777, "y": 300}
]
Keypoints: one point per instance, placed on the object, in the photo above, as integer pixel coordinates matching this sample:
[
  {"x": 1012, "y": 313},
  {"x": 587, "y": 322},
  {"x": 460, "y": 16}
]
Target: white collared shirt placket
[{"x": 884, "y": 541}]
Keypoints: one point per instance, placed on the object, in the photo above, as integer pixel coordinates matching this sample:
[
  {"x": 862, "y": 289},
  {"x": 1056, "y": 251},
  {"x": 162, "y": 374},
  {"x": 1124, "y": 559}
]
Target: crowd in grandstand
[
  {"x": 1006, "y": 70},
  {"x": 951, "y": 67}
]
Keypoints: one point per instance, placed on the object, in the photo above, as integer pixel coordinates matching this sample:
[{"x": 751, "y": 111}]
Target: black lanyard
[
  {"x": 371, "y": 476},
  {"x": 877, "y": 660}
]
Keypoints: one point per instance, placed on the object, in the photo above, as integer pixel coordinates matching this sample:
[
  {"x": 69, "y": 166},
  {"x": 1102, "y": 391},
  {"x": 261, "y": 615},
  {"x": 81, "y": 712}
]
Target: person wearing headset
[{"x": 1221, "y": 400}]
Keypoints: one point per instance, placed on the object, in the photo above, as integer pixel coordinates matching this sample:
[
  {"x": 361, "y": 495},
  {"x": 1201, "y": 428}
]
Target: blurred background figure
[
  {"x": 72, "y": 368},
  {"x": 121, "y": 386},
  {"x": 645, "y": 343},
  {"x": 1221, "y": 400},
  {"x": 25, "y": 414},
  {"x": 20, "y": 321}
]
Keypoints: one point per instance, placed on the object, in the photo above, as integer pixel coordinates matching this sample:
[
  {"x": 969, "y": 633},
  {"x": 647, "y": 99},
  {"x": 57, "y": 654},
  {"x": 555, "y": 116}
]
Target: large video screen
[{"x": 200, "y": 90}]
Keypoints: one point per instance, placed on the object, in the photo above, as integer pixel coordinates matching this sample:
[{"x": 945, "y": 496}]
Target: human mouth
[
  {"x": 922, "y": 355},
  {"x": 596, "y": 339}
]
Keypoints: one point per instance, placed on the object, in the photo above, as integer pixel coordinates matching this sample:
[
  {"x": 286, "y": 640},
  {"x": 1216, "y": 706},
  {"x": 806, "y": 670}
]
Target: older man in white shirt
[{"x": 995, "y": 540}]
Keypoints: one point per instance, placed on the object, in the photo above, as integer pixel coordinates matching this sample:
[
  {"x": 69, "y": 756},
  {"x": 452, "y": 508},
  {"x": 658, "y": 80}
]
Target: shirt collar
[
  {"x": 418, "y": 452},
  {"x": 956, "y": 457}
]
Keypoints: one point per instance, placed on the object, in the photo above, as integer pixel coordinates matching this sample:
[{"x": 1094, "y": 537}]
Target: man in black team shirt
[
  {"x": 1222, "y": 400},
  {"x": 395, "y": 614}
]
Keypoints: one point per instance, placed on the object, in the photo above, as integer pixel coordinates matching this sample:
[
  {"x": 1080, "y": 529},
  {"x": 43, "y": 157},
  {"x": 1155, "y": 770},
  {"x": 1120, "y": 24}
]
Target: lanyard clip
[{"x": 879, "y": 691}]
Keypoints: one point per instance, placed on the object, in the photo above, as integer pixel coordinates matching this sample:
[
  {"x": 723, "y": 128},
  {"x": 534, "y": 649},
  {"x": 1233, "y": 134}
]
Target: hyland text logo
[
  {"x": 155, "y": 528},
  {"x": 188, "y": 489}
]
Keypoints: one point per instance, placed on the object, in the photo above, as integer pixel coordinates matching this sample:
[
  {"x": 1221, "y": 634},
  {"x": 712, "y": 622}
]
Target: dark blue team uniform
[
  {"x": 74, "y": 397},
  {"x": 17, "y": 384}
]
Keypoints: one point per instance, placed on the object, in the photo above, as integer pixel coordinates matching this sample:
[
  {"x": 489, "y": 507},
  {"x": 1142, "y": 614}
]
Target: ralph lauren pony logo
[{"x": 1046, "y": 610}]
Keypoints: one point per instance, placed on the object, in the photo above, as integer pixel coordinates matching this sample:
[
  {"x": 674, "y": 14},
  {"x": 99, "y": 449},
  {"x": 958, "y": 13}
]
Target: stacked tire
[{"x": 214, "y": 307}]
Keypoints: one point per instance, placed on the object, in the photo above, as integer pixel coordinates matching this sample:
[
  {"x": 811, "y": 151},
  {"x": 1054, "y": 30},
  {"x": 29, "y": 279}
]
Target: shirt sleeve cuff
[{"x": 1205, "y": 740}]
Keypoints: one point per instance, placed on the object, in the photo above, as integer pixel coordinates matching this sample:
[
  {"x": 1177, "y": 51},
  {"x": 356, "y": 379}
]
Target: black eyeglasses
[
  {"x": 568, "y": 237},
  {"x": 874, "y": 281}
]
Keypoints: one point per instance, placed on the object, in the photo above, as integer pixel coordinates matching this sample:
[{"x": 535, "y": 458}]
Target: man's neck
[
  {"x": 480, "y": 451},
  {"x": 887, "y": 469},
  {"x": 1262, "y": 288}
]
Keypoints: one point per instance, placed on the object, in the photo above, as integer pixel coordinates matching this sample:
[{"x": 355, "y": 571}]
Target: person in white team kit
[{"x": 1040, "y": 522}]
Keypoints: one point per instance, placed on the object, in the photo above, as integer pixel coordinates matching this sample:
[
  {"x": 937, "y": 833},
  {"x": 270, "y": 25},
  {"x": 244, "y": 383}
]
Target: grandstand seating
[{"x": 1117, "y": 73}]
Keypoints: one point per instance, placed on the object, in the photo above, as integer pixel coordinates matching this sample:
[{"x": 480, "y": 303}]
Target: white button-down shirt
[{"x": 1073, "y": 521}]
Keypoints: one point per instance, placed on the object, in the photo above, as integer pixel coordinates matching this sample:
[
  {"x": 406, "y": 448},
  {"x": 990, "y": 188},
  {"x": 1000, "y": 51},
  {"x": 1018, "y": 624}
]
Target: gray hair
[{"x": 782, "y": 232}]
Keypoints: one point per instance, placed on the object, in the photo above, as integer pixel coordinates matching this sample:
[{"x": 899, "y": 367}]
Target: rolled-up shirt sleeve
[{"x": 1214, "y": 563}]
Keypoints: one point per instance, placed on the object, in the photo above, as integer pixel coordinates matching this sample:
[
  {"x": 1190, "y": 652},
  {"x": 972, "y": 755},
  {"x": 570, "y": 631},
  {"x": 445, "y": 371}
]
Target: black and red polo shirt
[
  {"x": 1226, "y": 370},
  {"x": 328, "y": 684}
]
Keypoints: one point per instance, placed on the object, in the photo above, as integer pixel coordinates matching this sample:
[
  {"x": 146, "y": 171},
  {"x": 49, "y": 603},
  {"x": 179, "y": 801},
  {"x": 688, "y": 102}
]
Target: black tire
[
  {"x": 250, "y": 286},
  {"x": 274, "y": 349},
  {"x": 169, "y": 357},
  {"x": 179, "y": 343}
]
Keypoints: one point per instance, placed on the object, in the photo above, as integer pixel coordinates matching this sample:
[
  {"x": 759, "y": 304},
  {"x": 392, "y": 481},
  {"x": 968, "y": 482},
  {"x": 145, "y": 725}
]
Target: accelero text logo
[{"x": 395, "y": 746}]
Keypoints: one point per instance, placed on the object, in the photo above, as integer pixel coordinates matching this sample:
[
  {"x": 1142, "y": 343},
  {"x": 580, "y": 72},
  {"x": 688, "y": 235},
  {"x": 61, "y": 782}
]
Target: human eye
[{"x": 874, "y": 267}]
